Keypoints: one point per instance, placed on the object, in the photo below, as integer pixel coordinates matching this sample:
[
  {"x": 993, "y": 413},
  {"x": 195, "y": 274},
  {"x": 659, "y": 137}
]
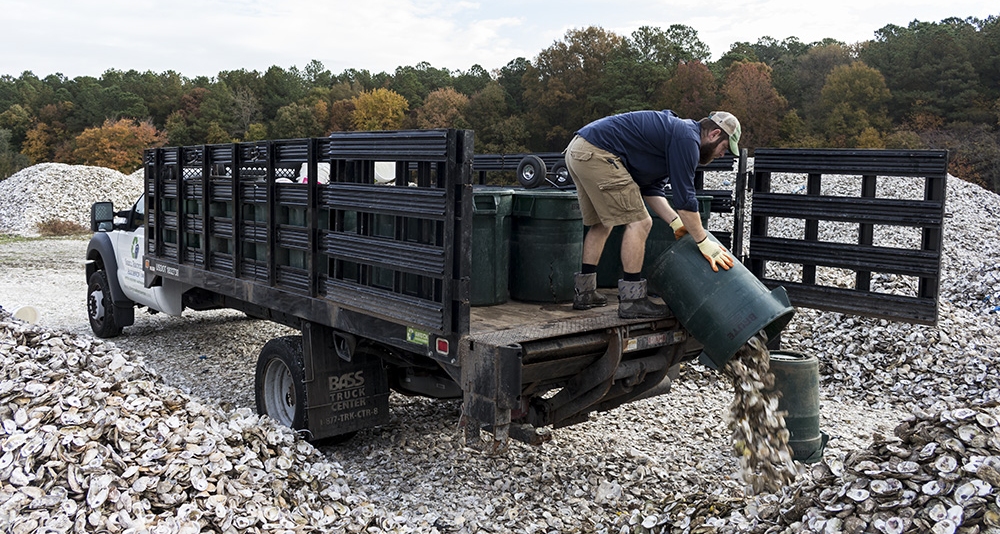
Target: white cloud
[{"x": 204, "y": 37}]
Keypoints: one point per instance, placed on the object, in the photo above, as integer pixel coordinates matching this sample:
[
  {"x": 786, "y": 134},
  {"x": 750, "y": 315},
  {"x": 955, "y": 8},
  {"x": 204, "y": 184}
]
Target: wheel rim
[
  {"x": 279, "y": 393},
  {"x": 528, "y": 173},
  {"x": 96, "y": 305}
]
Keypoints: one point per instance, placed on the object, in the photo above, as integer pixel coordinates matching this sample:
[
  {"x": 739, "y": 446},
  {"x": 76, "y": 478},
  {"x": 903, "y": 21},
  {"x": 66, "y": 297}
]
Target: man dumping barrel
[{"x": 620, "y": 161}]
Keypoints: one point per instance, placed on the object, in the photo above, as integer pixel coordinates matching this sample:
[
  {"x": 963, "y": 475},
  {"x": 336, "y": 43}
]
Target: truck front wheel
[
  {"x": 100, "y": 308},
  {"x": 279, "y": 382}
]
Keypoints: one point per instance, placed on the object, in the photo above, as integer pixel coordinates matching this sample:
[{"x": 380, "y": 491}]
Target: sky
[{"x": 203, "y": 37}]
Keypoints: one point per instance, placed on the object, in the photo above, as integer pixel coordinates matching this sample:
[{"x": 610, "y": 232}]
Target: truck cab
[{"x": 115, "y": 271}]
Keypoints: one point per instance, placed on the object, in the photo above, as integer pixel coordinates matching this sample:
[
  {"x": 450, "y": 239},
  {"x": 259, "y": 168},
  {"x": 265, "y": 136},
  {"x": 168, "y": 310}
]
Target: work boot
[
  {"x": 634, "y": 303},
  {"x": 585, "y": 294}
]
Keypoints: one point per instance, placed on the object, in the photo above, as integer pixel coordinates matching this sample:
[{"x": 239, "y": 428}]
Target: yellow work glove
[
  {"x": 678, "y": 227},
  {"x": 716, "y": 254}
]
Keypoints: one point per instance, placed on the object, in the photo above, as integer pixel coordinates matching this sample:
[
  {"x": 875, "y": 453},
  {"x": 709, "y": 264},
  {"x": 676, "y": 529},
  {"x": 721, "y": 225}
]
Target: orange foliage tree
[
  {"x": 749, "y": 94},
  {"x": 117, "y": 144},
  {"x": 691, "y": 92},
  {"x": 443, "y": 108}
]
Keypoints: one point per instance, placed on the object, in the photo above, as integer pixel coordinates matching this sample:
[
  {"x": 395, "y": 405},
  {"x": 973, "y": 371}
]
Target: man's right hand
[{"x": 716, "y": 254}]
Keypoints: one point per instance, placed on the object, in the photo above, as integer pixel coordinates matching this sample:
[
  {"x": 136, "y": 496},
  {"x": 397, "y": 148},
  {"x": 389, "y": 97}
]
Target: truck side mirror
[{"x": 102, "y": 217}]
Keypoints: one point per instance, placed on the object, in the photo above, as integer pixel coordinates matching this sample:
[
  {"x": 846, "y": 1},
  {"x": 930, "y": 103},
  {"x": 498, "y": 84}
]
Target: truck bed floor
[{"x": 517, "y": 322}]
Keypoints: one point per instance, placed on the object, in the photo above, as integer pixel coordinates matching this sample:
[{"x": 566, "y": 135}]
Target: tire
[
  {"x": 100, "y": 307},
  {"x": 561, "y": 176},
  {"x": 280, "y": 387},
  {"x": 531, "y": 172},
  {"x": 279, "y": 382}
]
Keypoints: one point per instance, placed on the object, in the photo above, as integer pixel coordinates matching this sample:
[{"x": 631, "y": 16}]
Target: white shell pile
[
  {"x": 940, "y": 473},
  {"x": 91, "y": 441},
  {"x": 60, "y": 192}
]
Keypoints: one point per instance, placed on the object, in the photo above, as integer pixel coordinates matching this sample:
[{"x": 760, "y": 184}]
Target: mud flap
[{"x": 343, "y": 396}]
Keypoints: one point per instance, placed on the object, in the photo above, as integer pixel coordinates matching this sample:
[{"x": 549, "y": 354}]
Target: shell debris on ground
[{"x": 92, "y": 441}]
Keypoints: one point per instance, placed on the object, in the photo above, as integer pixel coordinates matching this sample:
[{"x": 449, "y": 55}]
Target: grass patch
[
  {"x": 61, "y": 228},
  {"x": 11, "y": 238}
]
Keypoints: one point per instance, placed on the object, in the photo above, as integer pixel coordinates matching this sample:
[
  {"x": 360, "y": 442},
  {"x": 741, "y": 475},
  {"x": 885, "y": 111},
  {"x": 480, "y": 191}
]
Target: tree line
[{"x": 926, "y": 85}]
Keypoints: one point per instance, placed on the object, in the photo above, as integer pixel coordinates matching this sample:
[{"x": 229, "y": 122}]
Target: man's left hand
[{"x": 678, "y": 227}]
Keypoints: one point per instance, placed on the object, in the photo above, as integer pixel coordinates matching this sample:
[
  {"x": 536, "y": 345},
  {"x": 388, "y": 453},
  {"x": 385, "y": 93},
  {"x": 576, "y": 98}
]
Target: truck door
[
  {"x": 850, "y": 231},
  {"x": 130, "y": 242}
]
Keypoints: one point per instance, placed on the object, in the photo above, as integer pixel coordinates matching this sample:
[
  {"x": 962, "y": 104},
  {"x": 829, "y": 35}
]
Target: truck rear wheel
[
  {"x": 279, "y": 382},
  {"x": 280, "y": 387},
  {"x": 100, "y": 308}
]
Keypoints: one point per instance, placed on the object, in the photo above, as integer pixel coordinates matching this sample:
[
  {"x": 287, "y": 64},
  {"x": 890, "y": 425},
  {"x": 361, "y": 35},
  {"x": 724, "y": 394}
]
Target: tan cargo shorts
[{"x": 607, "y": 192}]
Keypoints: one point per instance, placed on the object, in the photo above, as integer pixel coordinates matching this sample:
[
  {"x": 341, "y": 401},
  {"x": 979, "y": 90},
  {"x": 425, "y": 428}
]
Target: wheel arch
[{"x": 101, "y": 255}]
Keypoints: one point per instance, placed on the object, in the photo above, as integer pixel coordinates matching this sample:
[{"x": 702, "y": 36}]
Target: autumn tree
[
  {"x": 854, "y": 101},
  {"x": 443, "y": 108},
  {"x": 381, "y": 109},
  {"x": 341, "y": 112},
  {"x": 116, "y": 145},
  {"x": 692, "y": 92},
  {"x": 40, "y": 143},
  {"x": 749, "y": 94},
  {"x": 561, "y": 83}
]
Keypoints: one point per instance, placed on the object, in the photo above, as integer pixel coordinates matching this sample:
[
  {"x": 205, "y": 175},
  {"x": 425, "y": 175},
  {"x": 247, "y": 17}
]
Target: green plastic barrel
[
  {"x": 491, "y": 222},
  {"x": 796, "y": 377},
  {"x": 661, "y": 237},
  {"x": 546, "y": 245},
  {"x": 722, "y": 310}
]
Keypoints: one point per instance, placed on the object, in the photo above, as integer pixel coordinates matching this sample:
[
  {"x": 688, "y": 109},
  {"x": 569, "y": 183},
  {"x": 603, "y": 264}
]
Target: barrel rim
[{"x": 791, "y": 356}]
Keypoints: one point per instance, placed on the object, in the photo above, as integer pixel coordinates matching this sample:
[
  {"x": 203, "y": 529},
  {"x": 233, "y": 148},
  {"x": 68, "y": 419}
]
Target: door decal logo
[{"x": 135, "y": 247}]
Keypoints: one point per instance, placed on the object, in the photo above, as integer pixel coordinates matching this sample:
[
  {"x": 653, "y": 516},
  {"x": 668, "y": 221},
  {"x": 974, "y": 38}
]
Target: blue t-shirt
[{"x": 657, "y": 147}]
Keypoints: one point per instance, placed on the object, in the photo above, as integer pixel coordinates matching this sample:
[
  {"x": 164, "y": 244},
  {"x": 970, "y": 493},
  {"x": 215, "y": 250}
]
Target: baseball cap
[{"x": 729, "y": 124}]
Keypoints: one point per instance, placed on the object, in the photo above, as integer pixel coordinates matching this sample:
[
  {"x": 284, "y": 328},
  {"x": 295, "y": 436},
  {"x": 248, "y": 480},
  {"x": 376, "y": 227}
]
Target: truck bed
[{"x": 518, "y": 322}]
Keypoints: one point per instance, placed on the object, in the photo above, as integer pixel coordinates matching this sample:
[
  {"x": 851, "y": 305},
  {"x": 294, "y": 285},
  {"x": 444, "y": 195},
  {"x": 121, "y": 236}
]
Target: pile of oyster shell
[
  {"x": 59, "y": 192},
  {"x": 91, "y": 441},
  {"x": 939, "y": 473}
]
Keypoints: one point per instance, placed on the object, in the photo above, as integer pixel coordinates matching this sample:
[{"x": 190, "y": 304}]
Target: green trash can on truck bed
[
  {"x": 546, "y": 245},
  {"x": 491, "y": 208},
  {"x": 661, "y": 237}
]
